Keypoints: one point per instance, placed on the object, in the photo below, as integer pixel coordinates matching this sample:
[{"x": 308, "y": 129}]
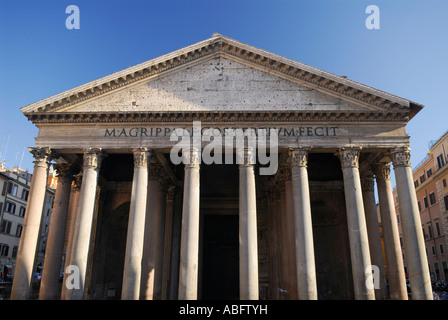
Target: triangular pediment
[
  {"x": 222, "y": 75},
  {"x": 215, "y": 84}
]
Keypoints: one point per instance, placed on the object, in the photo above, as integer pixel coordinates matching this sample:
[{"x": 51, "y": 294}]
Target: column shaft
[
  {"x": 189, "y": 251},
  {"x": 31, "y": 223},
  {"x": 391, "y": 236},
  {"x": 136, "y": 227},
  {"x": 292, "y": 265},
  {"x": 83, "y": 225},
  {"x": 248, "y": 227},
  {"x": 152, "y": 270},
  {"x": 149, "y": 248},
  {"x": 304, "y": 242},
  {"x": 56, "y": 235},
  {"x": 416, "y": 260},
  {"x": 357, "y": 229},
  {"x": 73, "y": 211},
  {"x": 373, "y": 231},
  {"x": 160, "y": 240}
]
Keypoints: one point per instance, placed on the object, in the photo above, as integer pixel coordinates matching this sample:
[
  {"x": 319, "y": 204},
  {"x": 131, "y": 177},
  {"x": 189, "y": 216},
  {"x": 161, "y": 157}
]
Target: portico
[{"x": 138, "y": 226}]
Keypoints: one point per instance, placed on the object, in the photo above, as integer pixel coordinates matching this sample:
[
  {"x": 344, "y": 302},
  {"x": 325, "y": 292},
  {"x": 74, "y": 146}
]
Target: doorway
[{"x": 220, "y": 256}]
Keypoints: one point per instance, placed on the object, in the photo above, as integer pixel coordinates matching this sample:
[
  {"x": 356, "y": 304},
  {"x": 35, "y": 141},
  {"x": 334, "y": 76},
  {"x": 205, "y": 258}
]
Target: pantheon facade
[{"x": 131, "y": 223}]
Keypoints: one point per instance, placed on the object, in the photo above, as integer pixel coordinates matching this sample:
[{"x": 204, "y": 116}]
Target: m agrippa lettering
[{"x": 165, "y": 132}]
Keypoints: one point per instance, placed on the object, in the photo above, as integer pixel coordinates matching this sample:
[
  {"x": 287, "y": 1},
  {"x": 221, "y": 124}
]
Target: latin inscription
[{"x": 164, "y": 132}]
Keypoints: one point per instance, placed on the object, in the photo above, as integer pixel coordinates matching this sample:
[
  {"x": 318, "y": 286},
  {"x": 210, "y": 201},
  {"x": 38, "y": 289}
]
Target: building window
[
  {"x": 432, "y": 198},
  {"x": 12, "y": 189},
  {"x": 441, "y": 249},
  {"x": 440, "y": 161},
  {"x": 19, "y": 230},
  {"x": 5, "y": 227},
  {"x": 4, "y": 248},
  {"x": 419, "y": 206},
  {"x": 25, "y": 194},
  {"x": 425, "y": 200},
  {"x": 446, "y": 202},
  {"x": 5, "y": 186},
  {"x": 444, "y": 183},
  {"x": 429, "y": 173},
  {"x": 424, "y": 232},
  {"x": 438, "y": 228},
  {"x": 433, "y": 249},
  {"x": 15, "y": 249},
  {"x": 22, "y": 211},
  {"x": 10, "y": 207},
  {"x": 15, "y": 188},
  {"x": 416, "y": 183},
  {"x": 431, "y": 235},
  {"x": 422, "y": 178}
]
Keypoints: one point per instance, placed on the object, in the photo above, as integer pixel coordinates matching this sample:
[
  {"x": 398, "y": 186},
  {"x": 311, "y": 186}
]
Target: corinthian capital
[
  {"x": 42, "y": 156},
  {"x": 141, "y": 157},
  {"x": 401, "y": 157},
  {"x": 299, "y": 156},
  {"x": 382, "y": 171},
  {"x": 367, "y": 183},
  {"x": 245, "y": 157},
  {"x": 64, "y": 170},
  {"x": 92, "y": 157},
  {"x": 349, "y": 157},
  {"x": 191, "y": 157}
]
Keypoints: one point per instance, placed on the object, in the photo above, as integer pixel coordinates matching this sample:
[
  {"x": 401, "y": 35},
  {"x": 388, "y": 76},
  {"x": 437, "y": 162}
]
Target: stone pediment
[{"x": 221, "y": 76}]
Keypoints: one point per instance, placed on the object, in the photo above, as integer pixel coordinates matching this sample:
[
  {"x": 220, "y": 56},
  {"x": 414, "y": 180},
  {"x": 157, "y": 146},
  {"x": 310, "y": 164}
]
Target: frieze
[{"x": 302, "y": 131}]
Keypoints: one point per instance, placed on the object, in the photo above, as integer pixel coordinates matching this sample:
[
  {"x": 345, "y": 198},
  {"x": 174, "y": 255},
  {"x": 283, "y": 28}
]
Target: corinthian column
[
  {"x": 189, "y": 250},
  {"x": 31, "y": 224},
  {"x": 373, "y": 230},
  {"x": 394, "y": 259},
  {"x": 149, "y": 247},
  {"x": 357, "y": 229},
  {"x": 83, "y": 224},
  {"x": 306, "y": 267},
  {"x": 71, "y": 219},
  {"x": 248, "y": 227},
  {"x": 414, "y": 243},
  {"x": 153, "y": 245},
  {"x": 56, "y": 234},
  {"x": 136, "y": 227}
]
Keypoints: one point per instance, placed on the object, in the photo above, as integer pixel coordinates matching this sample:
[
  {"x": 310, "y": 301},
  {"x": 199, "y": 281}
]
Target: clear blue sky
[{"x": 40, "y": 57}]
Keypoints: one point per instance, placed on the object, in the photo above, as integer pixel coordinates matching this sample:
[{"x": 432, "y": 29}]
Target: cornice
[
  {"x": 373, "y": 99},
  {"x": 218, "y": 116}
]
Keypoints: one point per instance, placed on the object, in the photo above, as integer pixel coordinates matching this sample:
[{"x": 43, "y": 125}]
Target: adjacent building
[
  {"x": 431, "y": 185},
  {"x": 15, "y": 189}
]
